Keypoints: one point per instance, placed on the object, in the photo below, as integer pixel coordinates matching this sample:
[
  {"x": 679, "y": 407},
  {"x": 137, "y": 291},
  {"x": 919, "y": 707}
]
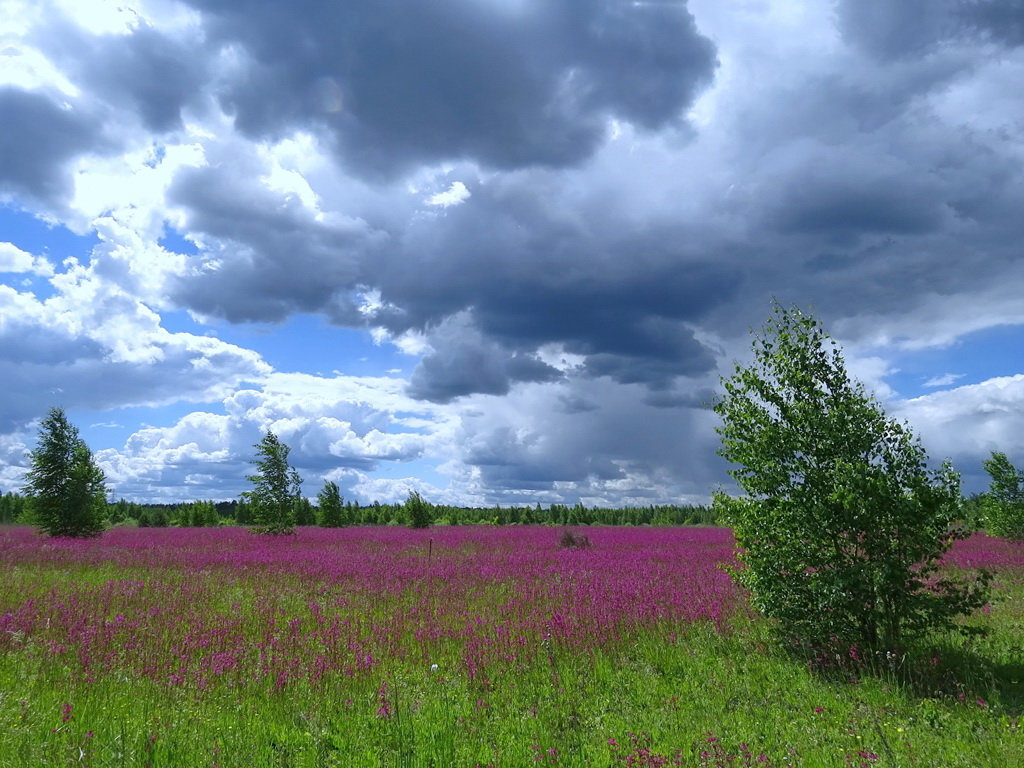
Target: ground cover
[{"x": 462, "y": 646}]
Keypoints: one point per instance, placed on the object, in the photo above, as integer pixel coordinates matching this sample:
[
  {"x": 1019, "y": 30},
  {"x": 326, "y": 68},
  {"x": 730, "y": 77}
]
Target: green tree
[
  {"x": 276, "y": 488},
  {"x": 197, "y": 514},
  {"x": 304, "y": 512},
  {"x": 1003, "y": 505},
  {"x": 842, "y": 526},
  {"x": 66, "y": 488},
  {"x": 331, "y": 512},
  {"x": 417, "y": 511}
]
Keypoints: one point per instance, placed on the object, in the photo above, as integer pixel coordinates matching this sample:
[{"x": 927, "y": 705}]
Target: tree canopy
[
  {"x": 1004, "y": 502},
  {"x": 65, "y": 486},
  {"x": 276, "y": 488},
  {"x": 842, "y": 525}
]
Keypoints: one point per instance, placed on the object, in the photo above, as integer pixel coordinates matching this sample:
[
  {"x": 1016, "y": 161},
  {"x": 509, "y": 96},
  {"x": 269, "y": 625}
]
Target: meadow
[{"x": 472, "y": 646}]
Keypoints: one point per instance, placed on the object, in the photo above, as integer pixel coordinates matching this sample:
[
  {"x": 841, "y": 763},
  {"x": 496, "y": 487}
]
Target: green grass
[
  {"x": 689, "y": 695},
  {"x": 672, "y": 696}
]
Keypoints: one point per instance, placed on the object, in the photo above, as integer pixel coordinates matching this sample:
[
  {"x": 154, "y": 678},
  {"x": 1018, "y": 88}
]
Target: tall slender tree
[
  {"x": 276, "y": 488},
  {"x": 65, "y": 486}
]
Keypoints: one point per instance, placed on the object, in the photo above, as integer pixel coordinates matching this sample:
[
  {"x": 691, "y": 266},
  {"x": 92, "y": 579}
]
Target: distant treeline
[{"x": 14, "y": 508}]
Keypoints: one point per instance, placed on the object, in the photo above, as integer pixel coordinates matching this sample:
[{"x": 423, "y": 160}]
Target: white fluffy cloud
[
  {"x": 93, "y": 345},
  {"x": 972, "y": 420},
  {"x": 13, "y": 259},
  {"x": 338, "y": 428}
]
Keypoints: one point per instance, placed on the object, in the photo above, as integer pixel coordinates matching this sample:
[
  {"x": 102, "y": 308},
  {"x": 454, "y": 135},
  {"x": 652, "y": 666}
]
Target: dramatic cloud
[
  {"x": 506, "y": 84},
  {"x": 93, "y": 346},
  {"x": 267, "y": 252},
  {"x": 39, "y": 138},
  {"x": 551, "y": 222},
  {"x": 466, "y": 362}
]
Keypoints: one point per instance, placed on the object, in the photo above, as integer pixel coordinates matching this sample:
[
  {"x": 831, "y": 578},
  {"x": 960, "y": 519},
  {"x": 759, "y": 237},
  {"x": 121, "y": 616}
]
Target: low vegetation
[{"x": 464, "y": 646}]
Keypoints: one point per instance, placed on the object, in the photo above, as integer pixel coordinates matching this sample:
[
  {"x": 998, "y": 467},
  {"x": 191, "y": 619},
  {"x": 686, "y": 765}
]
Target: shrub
[
  {"x": 1003, "y": 505},
  {"x": 842, "y": 527},
  {"x": 417, "y": 511},
  {"x": 572, "y": 540}
]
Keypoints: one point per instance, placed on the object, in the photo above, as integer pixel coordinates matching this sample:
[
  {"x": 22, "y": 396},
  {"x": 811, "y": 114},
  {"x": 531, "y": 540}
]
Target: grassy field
[{"x": 463, "y": 646}]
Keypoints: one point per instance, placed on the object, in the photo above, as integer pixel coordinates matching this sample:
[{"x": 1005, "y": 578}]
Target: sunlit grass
[{"x": 199, "y": 648}]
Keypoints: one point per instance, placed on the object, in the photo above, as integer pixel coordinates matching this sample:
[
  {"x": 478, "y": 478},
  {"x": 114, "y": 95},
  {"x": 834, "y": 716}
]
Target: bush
[
  {"x": 1003, "y": 505},
  {"x": 571, "y": 540},
  {"x": 417, "y": 511},
  {"x": 842, "y": 527}
]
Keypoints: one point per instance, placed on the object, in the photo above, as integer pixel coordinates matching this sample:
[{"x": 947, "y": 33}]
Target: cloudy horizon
[{"x": 498, "y": 251}]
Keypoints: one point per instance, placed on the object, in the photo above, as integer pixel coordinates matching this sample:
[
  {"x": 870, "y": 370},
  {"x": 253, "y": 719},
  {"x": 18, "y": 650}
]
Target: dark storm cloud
[
  {"x": 908, "y": 28},
  {"x": 701, "y": 398},
  {"x": 508, "y": 84},
  {"x": 840, "y": 205},
  {"x": 512, "y": 458},
  {"x": 521, "y": 272},
  {"x": 898, "y": 29},
  {"x": 626, "y": 444},
  {"x": 464, "y": 362},
  {"x": 145, "y": 72},
  {"x": 460, "y": 369},
  {"x": 38, "y": 138},
  {"x": 1002, "y": 19},
  {"x": 268, "y": 257},
  {"x": 856, "y": 184},
  {"x": 533, "y": 274}
]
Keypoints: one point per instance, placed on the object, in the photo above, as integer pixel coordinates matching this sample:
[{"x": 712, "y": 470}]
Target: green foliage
[
  {"x": 418, "y": 513},
  {"x": 304, "y": 512},
  {"x": 276, "y": 488},
  {"x": 13, "y": 508},
  {"x": 243, "y": 513},
  {"x": 153, "y": 517},
  {"x": 972, "y": 511},
  {"x": 66, "y": 488},
  {"x": 198, "y": 514},
  {"x": 1003, "y": 507},
  {"x": 331, "y": 512},
  {"x": 842, "y": 526}
]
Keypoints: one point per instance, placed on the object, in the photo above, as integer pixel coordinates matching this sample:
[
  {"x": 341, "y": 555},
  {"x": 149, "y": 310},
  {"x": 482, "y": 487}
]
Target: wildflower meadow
[{"x": 474, "y": 646}]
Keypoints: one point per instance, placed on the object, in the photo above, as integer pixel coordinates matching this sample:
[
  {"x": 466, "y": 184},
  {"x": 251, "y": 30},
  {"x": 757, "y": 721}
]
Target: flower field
[{"x": 455, "y": 646}]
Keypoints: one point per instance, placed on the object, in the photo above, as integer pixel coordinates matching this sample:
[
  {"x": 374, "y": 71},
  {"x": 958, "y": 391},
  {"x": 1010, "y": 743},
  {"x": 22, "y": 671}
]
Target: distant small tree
[
  {"x": 197, "y": 514},
  {"x": 842, "y": 527},
  {"x": 417, "y": 511},
  {"x": 243, "y": 513},
  {"x": 1003, "y": 505},
  {"x": 276, "y": 487},
  {"x": 66, "y": 488},
  {"x": 304, "y": 512},
  {"x": 331, "y": 512},
  {"x": 153, "y": 517}
]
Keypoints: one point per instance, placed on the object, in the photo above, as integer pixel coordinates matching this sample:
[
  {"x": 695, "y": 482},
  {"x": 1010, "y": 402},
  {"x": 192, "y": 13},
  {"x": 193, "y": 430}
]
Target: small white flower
[{"x": 434, "y": 667}]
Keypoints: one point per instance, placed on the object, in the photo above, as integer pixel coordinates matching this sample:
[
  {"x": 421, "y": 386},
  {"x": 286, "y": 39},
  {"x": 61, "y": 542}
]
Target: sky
[{"x": 498, "y": 251}]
